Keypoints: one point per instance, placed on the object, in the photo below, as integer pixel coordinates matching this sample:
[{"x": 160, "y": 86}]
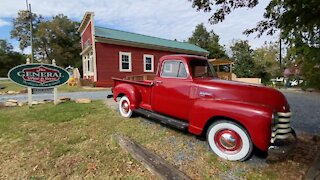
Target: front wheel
[
  {"x": 124, "y": 107},
  {"x": 230, "y": 141}
]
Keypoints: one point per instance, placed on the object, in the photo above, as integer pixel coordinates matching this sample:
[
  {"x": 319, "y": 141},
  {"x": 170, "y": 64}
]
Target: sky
[{"x": 170, "y": 19}]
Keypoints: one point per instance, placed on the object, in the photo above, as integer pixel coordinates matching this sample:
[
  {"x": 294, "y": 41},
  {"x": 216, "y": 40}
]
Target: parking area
[{"x": 305, "y": 107}]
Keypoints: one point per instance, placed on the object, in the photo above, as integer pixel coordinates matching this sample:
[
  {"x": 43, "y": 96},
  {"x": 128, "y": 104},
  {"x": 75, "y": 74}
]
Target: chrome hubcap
[
  {"x": 125, "y": 106},
  {"x": 228, "y": 141}
]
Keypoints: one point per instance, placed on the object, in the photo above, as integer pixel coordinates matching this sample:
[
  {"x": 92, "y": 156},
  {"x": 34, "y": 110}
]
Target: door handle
[
  {"x": 159, "y": 82},
  {"x": 205, "y": 94}
]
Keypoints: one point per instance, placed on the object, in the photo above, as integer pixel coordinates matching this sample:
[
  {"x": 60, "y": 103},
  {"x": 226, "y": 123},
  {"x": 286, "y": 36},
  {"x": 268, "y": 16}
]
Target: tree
[
  {"x": 207, "y": 40},
  {"x": 311, "y": 67},
  {"x": 8, "y": 58},
  {"x": 307, "y": 58},
  {"x": 292, "y": 17},
  {"x": 243, "y": 60},
  {"x": 297, "y": 20},
  {"x": 56, "y": 38},
  {"x": 266, "y": 60},
  {"x": 21, "y": 27}
]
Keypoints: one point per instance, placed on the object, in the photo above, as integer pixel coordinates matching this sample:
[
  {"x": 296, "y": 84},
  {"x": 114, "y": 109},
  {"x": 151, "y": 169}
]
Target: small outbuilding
[
  {"x": 108, "y": 53},
  {"x": 223, "y": 68}
]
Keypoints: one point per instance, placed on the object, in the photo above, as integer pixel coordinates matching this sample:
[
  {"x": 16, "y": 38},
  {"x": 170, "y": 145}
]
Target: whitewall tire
[
  {"x": 124, "y": 107},
  {"x": 229, "y": 140}
]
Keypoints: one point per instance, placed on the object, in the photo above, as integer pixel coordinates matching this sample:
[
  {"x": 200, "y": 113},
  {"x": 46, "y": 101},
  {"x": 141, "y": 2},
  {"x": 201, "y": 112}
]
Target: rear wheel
[
  {"x": 124, "y": 107},
  {"x": 229, "y": 141}
]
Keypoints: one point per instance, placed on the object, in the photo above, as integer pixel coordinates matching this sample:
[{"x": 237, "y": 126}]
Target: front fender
[
  {"x": 255, "y": 118},
  {"x": 130, "y": 91}
]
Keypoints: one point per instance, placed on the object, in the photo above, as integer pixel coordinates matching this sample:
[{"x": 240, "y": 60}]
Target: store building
[{"x": 108, "y": 53}]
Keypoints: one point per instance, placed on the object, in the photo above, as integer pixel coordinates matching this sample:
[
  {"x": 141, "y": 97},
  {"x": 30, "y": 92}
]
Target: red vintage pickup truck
[{"x": 186, "y": 94}]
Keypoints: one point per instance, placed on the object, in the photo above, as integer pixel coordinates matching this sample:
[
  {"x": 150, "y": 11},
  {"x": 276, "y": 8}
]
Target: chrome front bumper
[
  {"x": 284, "y": 146},
  {"x": 283, "y": 137}
]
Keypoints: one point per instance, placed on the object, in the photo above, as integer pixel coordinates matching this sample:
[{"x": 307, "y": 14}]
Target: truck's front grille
[{"x": 282, "y": 129}]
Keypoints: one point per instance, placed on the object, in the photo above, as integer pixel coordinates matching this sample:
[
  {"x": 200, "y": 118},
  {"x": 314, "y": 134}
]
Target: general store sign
[{"x": 38, "y": 75}]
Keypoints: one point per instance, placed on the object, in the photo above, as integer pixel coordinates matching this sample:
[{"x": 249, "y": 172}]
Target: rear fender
[
  {"x": 255, "y": 118},
  {"x": 130, "y": 91}
]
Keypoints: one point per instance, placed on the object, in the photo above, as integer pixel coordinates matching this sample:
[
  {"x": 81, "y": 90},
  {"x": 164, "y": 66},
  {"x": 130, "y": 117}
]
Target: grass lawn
[
  {"x": 66, "y": 88},
  {"x": 75, "y": 141},
  {"x": 10, "y": 86}
]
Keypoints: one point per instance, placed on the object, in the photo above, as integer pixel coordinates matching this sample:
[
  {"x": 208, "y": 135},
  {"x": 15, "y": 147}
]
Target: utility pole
[
  {"x": 31, "y": 29},
  {"x": 280, "y": 56}
]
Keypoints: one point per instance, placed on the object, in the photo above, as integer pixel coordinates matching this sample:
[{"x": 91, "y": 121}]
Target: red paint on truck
[{"x": 201, "y": 101}]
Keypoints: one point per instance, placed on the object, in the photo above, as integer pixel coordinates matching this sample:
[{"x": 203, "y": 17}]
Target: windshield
[{"x": 202, "y": 69}]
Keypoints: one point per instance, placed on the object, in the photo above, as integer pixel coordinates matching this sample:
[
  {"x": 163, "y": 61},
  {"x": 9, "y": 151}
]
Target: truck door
[{"x": 170, "y": 95}]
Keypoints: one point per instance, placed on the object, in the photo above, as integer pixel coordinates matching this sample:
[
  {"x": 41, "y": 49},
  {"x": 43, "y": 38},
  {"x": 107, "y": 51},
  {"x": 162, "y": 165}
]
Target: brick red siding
[
  {"x": 87, "y": 35},
  {"x": 108, "y": 62}
]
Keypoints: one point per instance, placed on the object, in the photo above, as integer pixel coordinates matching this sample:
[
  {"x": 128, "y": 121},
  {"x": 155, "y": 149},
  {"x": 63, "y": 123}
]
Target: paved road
[
  {"x": 305, "y": 106},
  {"x": 73, "y": 95}
]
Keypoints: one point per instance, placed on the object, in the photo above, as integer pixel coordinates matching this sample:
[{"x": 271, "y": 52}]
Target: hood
[{"x": 245, "y": 92}]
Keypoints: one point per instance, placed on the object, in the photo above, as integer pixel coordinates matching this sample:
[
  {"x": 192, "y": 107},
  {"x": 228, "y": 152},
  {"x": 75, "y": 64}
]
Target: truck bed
[
  {"x": 144, "y": 79},
  {"x": 143, "y": 85},
  {"x": 140, "y": 82}
]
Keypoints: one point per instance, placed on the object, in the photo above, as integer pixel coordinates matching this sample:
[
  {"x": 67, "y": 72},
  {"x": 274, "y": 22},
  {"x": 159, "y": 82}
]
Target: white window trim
[
  {"x": 120, "y": 62},
  {"x": 87, "y": 58},
  {"x": 145, "y": 56}
]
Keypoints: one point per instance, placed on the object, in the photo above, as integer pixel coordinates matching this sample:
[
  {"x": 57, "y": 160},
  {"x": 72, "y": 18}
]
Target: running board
[{"x": 164, "y": 119}]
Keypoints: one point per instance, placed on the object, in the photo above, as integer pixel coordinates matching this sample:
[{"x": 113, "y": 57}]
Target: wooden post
[
  {"x": 151, "y": 161},
  {"x": 29, "y": 90},
  {"x": 55, "y": 90}
]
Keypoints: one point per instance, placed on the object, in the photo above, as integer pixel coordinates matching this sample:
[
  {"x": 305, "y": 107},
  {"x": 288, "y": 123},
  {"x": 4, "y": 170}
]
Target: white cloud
[
  {"x": 166, "y": 18},
  {"x": 4, "y": 23}
]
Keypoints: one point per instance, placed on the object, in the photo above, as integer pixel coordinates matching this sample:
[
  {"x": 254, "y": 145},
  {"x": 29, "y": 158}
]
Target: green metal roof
[{"x": 148, "y": 40}]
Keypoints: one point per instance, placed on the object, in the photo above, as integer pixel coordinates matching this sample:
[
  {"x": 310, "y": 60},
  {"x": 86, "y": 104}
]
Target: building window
[
  {"x": 125, "y": 62},
  {"x": 84, "y": 64},
  {"x": 148, "y": 63},
  {"x": 88, "y": 63},
  {"x": 87, "y": 43}
]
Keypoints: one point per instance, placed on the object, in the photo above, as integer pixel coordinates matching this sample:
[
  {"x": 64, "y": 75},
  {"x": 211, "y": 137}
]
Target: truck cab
[{"x": 186, "y": 93}]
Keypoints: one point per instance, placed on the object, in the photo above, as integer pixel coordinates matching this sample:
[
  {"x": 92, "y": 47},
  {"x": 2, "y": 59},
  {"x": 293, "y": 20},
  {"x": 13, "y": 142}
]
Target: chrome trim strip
[
  {"x": 282, "y": 131},
  {"x": 287, "y": 114},
  {"x": 284, "y": 119},
  {"x": 281, "y": 126}
]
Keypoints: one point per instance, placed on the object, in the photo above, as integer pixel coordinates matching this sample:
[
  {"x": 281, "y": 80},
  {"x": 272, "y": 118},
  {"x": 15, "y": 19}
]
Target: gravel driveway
[{"x": 305, "y": 107}]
